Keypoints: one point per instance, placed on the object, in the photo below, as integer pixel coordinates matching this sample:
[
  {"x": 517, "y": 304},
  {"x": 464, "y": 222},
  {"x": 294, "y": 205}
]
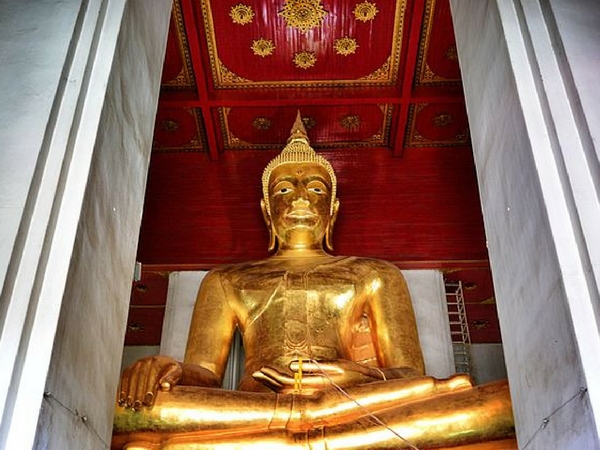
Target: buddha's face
[{"x": 300, "y": 202}]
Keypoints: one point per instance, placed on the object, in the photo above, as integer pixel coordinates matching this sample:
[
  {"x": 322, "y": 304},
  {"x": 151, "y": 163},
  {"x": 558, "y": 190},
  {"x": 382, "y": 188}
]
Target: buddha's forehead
[{"x": 300, "y": 170}]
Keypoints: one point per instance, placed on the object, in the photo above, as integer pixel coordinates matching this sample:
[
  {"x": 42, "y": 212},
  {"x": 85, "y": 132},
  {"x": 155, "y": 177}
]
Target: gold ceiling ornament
[
  {"x": 304, "y": 59},
  {"x": 350, "y": 121},
  {"x": 229, "y": 77},
  {"x": 303, "y": 14},
  {"x": 380, "y": 74},
  {"x": 263, "y": 47},
  {"x": 480, "y": 324},
  {"x": 170, "y": 126},
  {"x": 309, "y": 122},
  {"x": 451, "y": 53},
  {"x": 365, "y": 11},
  {"x": 241, "y": 14},
  {"x": 261, "y": 123},
  {"x": 135, "y": 327},
  {"x": 443, "y": 120},
  {"x": 345, "y": 46},
  {"x": 185, "y": 79}
]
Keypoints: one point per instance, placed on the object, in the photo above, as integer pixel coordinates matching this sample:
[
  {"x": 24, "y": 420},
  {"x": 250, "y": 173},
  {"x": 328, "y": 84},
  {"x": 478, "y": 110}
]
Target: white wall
[
  {"x": 487, "y": 363},
  {"x": 34, "y": 40},
  {"x": 56, "y": 57},
  {"x": 85, "y": 365},
  {"x": 538, "y": 188}
]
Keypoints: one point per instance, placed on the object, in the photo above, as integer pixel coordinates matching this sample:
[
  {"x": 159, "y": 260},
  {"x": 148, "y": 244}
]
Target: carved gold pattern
[
  {"x": 170, "y": 126},
  {"x": 365, "y": 11},
  {"x": 180, "y": 79},
  {"x": 376, "y": 138},
  {"x": 428, "y": 75},
  {"x": 380, "y": 74},
  {"x": 424, "y": 74},
  {"x": 387, "y": 75},
  {"x": 241, "y": 14},
  {"x": 345, "y": 46},
  {"x": 442, "y": 120},
  {"x": 303, "y": 14},
  {"x": 196, "y": 144},
  {"x": 381, "y": 138},
  {"x": 230, "y": 77},
  {"x": 135, "y": 327},
  {"x": 309, "y": 122},
  {"x": 415, "y": 138},
  {"x": 304, "y": 59},
  {"x": 480, "y": 324},
  {"x": 488, "y": 301},
  {"x": 451, "y": 53},
  {"x": 350, "y": 122},
  {"x": 263, "y": 47},
  {"x": 185, "y": 78},
  {"x": 261, "y": 123}
]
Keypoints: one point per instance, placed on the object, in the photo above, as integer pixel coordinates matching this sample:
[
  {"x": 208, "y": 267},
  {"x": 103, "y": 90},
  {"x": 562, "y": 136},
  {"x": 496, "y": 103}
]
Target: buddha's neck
[{"x": 301, "y": 252}]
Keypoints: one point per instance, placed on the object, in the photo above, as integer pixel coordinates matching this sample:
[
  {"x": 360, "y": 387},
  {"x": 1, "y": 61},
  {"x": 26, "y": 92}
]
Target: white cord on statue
[{"x": 364, "y": 409}]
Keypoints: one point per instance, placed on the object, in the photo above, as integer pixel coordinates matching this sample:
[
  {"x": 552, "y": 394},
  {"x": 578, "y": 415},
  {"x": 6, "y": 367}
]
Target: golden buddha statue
[{"x": 297, "y": 312}]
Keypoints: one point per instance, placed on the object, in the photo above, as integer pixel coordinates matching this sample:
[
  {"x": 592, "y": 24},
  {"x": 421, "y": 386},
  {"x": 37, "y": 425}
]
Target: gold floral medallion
[
  {"x": 350, "y": 122},
  {"x": 309, "y": 122},
  {"x": 241, "y": 14},
  {"x": 304, "y": 59},
  {"x": 365, "y": 11},
  {"x": 345, "y": 46},
  {"x": 261, "y": 123},
  {"x": 263, "y": 47},
  {"x": 169, "y": 126},
  {"x": 303, "y": 14},
  {"x": 442, "y": 120}
]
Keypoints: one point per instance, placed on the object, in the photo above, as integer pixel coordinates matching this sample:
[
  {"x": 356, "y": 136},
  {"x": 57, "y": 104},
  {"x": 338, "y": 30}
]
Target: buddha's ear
[
  {"x": 267, "y": 217},
  {"x": 329, "y": 231}
]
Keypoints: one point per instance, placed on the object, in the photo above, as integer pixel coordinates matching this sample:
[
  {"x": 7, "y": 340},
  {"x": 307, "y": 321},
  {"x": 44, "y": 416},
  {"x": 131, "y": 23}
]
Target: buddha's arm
[
  {"x": 393, "y": 323},
  {"x": 211, "y": 329},
  {"x": 210, "y": 336}
]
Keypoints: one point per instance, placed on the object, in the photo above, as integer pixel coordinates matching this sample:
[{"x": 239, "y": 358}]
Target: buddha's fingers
[
  {"x": 124, "y": 388},
  {"x": 315, "y": 367},
  {"x": 170, "y": 375},
  {"x": 268, "y": 377},
  {"x": 141, "y": 386}
]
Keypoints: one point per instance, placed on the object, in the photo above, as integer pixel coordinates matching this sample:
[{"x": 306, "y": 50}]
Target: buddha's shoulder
[
  {"x": 245, "y": 270},
  {"x": 371, "y": 266}
]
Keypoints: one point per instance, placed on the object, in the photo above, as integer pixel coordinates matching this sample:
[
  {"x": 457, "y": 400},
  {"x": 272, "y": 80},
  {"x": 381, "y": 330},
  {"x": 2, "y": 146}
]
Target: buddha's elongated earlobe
[
  {"x": 269, "y": 223},
  {"x": 329, "y": 231}
]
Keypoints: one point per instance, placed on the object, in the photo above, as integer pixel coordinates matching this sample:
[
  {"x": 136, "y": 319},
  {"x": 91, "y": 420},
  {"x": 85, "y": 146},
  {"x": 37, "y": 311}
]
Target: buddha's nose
[{"x": 300, "y": 202}]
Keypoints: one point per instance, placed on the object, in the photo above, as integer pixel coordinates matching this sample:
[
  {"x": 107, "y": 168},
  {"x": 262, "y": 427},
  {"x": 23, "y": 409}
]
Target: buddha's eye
[
  {"x": 283, "y": 188},
  {"x": 316, "y": 187}
]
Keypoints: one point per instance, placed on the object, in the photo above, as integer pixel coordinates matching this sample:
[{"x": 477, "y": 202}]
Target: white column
[
  {"x": 431, "y": 310},
  {"x": 58, "y": 60},
  {"x": 530, "y": 77}
]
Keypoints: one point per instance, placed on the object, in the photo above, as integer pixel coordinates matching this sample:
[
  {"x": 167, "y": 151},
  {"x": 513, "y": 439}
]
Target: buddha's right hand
[{"x": 141, "y": 381}]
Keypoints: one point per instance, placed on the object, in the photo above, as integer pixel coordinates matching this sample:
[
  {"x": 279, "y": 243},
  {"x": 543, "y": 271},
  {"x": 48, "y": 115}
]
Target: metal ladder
[{"x": 459, "y": 327}]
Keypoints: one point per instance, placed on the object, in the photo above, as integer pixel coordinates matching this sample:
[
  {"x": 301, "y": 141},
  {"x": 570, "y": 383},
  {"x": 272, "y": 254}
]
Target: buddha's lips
[{"x": 300, "y": 213}]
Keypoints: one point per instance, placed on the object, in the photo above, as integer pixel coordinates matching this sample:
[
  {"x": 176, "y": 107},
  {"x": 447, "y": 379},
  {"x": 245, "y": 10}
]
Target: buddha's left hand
[{"x": 317, "y": 375}]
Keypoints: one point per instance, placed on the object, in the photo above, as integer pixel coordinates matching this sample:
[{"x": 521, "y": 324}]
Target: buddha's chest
[{"x": 299, "y": 308}]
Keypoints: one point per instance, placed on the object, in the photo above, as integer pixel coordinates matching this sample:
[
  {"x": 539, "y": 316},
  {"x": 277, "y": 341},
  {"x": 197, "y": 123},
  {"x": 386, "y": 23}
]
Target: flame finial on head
[{"x": 298, "y": 150}]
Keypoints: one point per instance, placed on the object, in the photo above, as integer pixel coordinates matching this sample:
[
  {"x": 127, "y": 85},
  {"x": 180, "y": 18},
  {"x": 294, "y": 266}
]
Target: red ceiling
[{"x": 386, "y": 108}]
